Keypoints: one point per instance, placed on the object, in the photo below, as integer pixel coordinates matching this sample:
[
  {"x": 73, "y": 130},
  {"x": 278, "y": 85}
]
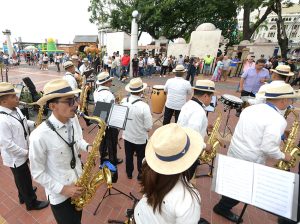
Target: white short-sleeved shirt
[
  {"x": 258, "y": 134},
  {"x": 50, "y": 156},
  {"x": 192, "y": 115},
  {"x": 13, "y": 144},
  {"x": 69, "y": 77},
  {"x": 139, "y": 120},
  {"x": 178, "y": 206},
  {"x": 103, "y": 94},
  {"x": 177, "y": 90}
]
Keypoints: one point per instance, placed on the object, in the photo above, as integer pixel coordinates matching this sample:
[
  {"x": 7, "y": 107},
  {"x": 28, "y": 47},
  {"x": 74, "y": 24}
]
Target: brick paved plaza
[{"x": 114, "y": 207}]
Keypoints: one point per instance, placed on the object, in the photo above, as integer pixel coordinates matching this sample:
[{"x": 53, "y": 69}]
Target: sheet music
[
  {"x": 268, "y": 188},
  {"x": 118, "y": 116},
  {"x": 273, "y": 190},
  {"x": 234, "y": 178}
]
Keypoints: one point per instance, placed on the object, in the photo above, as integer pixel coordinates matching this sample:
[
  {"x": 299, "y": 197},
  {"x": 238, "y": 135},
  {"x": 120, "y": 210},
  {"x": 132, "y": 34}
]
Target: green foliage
[{"x": 169, "y": 18}]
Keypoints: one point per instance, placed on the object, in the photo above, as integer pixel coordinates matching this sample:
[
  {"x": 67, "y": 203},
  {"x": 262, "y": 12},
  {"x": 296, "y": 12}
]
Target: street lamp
[{"x": 134, "y": 38}]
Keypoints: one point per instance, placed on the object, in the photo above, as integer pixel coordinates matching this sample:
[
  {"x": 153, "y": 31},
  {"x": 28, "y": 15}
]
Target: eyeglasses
[{"x": 70, "y": 101}]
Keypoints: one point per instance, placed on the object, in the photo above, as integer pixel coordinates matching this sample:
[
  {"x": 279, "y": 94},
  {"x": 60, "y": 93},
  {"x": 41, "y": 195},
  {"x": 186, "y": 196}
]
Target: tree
[
  {"x": 282, "y": 38},
  {"x": 169, "y": 18},
  {"x": 249, "y": 6}
]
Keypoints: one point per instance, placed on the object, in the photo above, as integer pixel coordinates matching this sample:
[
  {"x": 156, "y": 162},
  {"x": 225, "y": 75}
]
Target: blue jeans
[
  {"x": 141, "y": 71},
  {"x": 113, "y": 72},
  {"x": 124, "y": 70},
  {"x": 150, "y": 70}
]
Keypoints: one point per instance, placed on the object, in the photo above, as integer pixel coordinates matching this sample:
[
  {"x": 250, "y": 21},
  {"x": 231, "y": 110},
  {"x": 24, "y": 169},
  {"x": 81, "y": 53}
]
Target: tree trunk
[
  {"x": 282, "y": 38},
  {"x": 247, "y": 29},
  {"x": 246, "y": 22}
]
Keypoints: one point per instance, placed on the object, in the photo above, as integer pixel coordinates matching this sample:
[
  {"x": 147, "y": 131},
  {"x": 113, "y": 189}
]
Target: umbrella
[{"x": 30, "y": 48}]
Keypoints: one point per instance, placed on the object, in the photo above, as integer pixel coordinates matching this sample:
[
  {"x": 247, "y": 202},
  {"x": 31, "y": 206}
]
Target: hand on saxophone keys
[
  {"x": 72, "y": 191},
  {"x": 208, "y": 148},
  {"x": 287, "y": 157}
]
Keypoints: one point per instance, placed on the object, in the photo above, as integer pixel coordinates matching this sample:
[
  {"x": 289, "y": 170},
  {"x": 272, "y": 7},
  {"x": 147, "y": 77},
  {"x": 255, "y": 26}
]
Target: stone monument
[{"x": 204, "y": 40}]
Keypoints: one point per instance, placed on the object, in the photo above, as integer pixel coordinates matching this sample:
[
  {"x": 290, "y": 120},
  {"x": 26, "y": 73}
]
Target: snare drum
[
  {"x": 158, "y": 99},
  {"x": 231, "y": 101}
]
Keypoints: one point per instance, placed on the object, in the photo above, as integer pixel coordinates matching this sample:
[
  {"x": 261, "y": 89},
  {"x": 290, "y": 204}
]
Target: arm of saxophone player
[
  {"x": 82, "y": 144},
  {"x": 31, "y": 124},
  {"x": 37, "y": 158},
  {"x": 271, "y": 141},
  {"x": 6, "y": 140}
]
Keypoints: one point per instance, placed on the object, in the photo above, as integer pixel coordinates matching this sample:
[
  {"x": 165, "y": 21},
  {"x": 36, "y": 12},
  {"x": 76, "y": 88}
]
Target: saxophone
[
  {"x": 90, "y": 181},
  {"x": 213, "y": 141},
  {"x": 39, "y": 118},
  {"x": 290, "y": 146}
]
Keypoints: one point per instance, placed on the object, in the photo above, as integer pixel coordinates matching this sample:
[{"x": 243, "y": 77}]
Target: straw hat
[
  {"x": 68, "y": 64},
  {"x": 56, "y": 88},
  {"x": 283, "y": 70},
  {"x": 103, "y": 77},
  {"x": 280, "y": 91},
  {"x": 85, "y": 60},
  {"x": 179, "y": 68},
  {"x": 135, "y": 85},
  {"x": 7, "y": 89},
  {"x": 173, "y": 149},
  {"x": 205, "y": 85}
]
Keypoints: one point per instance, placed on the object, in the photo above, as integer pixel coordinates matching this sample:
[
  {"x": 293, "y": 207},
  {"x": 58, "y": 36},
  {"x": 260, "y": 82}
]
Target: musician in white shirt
[
  {"x": 110, "y": 141},
  {"x": 70, "y": 74},
  {"x": 14, "y": 140},
  {"x": 168, "y": 195},
  {"x": 258, "y": 135},
  {"x": 193, "y": 114},
  {"x": 138, "y": 125},
  {"x": 84, "y": 66},
  {"x": 54, "y": 149},
  {"x": 178, "y": 90}
]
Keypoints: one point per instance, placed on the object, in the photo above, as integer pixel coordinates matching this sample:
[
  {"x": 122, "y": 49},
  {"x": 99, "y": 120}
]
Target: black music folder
[{"x": 113, "y": 114}]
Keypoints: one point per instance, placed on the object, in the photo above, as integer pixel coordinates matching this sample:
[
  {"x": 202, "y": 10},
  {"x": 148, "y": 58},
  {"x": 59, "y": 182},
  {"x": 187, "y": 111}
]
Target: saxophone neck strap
[
  {"x": 21, "y": 122},
  {"x": 199, "y": 102},
  {"x": 71, "y": 145}
]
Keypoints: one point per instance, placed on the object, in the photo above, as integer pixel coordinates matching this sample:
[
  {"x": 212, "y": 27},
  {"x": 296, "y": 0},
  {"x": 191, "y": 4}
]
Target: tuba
[
  {"x": 90, "y": 181},
  {"x": 213, "y": 141},
  {"x": 290, "y": 146}
]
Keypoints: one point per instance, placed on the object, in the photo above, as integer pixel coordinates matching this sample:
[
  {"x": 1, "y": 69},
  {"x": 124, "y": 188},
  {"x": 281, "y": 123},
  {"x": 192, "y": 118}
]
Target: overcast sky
[{"x": 36, "y": 20}]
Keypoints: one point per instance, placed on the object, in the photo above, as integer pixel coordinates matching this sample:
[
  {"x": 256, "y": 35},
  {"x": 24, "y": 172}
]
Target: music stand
[
  {"x": 227, "y": 108},
  {"x": 129, "y": 212},
  {"x": 108, "y": 193}
]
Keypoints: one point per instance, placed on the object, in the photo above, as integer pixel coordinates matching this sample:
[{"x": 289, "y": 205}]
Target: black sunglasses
[{"x": 70, "y": 101}]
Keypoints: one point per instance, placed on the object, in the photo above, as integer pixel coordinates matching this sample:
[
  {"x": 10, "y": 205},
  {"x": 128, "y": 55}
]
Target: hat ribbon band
[
  {"x": 205, "y": 87},
  {"x": 177, "y": 156},
  {"x": 63, "y": 90},
  {"x": 8, "y": 91},
  {"x": 285, "y": 72},
  {"x": 278, "y": 94},
  {"x": 103, "y": 80},
  {"x": 136, "y": 89}
]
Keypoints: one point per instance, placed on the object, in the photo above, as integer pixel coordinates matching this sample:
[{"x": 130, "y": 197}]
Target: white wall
[
  {"x": 177, "y": 49},
  {"x": 114, "y": 43},
  {"x": 204, "y": 43}
]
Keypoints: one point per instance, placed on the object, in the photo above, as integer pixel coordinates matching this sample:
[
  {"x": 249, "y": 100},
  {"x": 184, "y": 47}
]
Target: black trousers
[
  {"x": 192, "y": 76},
  {"x": 168, "y": 115},
  {"x": 227, "y": 203},
  {"x": 163, "y": 70},
  {"x": 245, "y": 93},
  {"x": 130, "y": 148},
  {"x": 65, "y": 213},
  {"x": 109, "y": 145},
  {"x": 23, "y": 182}
]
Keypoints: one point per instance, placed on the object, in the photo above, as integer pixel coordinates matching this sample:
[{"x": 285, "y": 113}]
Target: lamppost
[
  {"x": 134, "y": 38},
  {"x": 7, "y": 33}
]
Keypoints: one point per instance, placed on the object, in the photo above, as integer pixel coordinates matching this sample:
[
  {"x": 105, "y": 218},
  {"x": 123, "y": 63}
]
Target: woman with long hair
[{"x": 169, "y": 197}]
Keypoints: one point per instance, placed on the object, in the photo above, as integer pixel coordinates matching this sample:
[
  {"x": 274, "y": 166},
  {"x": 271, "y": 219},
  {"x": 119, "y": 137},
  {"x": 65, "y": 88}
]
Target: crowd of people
[{"x": 167, "y": 160}]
